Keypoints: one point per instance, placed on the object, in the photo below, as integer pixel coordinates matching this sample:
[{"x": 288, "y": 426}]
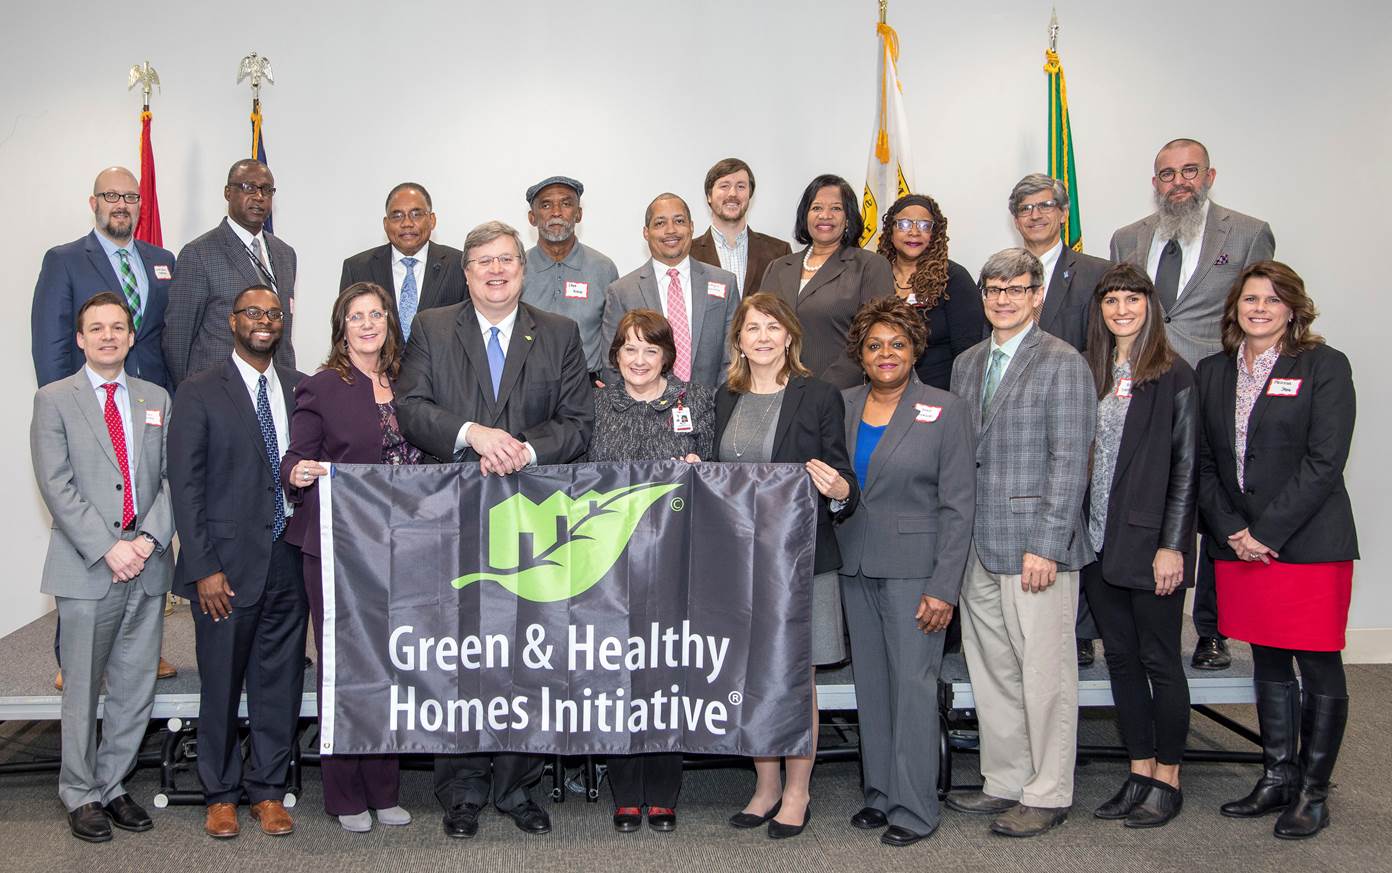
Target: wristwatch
[{"x": 154, "y": 542}]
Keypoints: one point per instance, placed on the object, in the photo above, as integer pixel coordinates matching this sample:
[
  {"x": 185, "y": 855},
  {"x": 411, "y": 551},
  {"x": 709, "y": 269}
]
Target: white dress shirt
[
  {"x": 1190, "y": 250},
  {"x": 246, "y": 237},
  {"x": 399, "y": 270},
  {"x": 664, "y": 283},
  {"x": 279, "y": 417},
  {"x": 1010, "y": 347},
  {"x": 122, "y": 400},
  {"x": 1050, "y": 260},
  {"x": 509, "y": 321}
]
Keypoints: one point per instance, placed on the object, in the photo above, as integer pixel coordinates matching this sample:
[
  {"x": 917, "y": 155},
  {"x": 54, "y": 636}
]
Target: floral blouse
[
  {"x": 1249, "y": 388},
  {"x": 395, "y": 449}
]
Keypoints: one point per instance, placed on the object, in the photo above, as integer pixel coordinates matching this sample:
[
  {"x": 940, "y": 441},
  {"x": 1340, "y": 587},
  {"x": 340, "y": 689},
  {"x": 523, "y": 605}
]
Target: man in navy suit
[{"x": 106, "y": 259}]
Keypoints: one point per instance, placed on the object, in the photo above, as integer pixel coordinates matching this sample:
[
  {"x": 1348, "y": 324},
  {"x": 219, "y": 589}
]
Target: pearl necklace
[{"x": 806, "y": 263}]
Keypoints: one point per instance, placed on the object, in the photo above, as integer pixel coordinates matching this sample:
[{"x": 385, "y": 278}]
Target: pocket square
[{"x": 1222, "y": 259}]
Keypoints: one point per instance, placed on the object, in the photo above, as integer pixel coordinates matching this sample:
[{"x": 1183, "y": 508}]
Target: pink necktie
[
  {"x": 118, "y": 443},
  {"x": 681, "y": 329}
]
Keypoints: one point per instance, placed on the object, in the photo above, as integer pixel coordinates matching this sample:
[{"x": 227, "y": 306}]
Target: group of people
[{"x": 1003, "y": 451}]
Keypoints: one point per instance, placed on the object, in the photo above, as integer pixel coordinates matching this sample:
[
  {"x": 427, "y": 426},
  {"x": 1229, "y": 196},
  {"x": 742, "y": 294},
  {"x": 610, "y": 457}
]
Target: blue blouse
[{"x": 867, "y": 438}]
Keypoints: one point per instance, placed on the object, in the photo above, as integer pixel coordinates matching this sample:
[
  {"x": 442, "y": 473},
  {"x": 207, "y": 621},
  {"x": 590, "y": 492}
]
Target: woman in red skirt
[{"x": 1276, "y": 422}]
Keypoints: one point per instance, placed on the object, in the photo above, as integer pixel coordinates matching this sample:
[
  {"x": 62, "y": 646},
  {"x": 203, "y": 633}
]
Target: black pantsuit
[{"x": 646, "y": 780}]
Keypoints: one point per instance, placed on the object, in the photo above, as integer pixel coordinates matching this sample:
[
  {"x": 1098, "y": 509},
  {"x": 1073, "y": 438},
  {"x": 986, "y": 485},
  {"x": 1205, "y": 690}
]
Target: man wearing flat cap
[{"x": 564, "y": 275}]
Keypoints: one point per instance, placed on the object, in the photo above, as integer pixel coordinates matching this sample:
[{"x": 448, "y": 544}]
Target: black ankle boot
[
  {"x": 1307, "y": 814},
  {"x": 1278, "y": 714}
]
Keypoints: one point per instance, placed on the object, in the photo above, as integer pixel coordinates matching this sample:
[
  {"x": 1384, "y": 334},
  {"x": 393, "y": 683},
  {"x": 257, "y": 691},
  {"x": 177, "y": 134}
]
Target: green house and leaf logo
[{"x": 556, "y": 549}]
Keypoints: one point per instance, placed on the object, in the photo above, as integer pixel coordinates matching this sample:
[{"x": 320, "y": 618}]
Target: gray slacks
[
  {"x": 117, "y": 637},
  {"x": 896, "y": 669}
]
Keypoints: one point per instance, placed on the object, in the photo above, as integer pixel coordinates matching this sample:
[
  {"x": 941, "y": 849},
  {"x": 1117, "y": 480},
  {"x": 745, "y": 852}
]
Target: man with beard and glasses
[
  {"x": 419, "y": 273},
  {"x": 564, "y": 275},
  {"x": 1193, "y": 249},
  {"x": 729, "y": 243}
]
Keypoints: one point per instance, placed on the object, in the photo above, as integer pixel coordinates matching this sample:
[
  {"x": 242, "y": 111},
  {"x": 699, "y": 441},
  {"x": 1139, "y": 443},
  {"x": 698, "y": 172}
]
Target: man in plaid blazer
[
  {"x": 222, "y": 263},
  {"x": 1034, "y": 408}
]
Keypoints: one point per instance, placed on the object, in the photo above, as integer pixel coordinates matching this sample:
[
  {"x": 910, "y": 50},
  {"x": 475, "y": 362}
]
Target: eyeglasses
[
  {"x": 1013, "y": 292},
  {"x": 113, "y": 196},
  {"x": 485, "y": 262},
  {"x": 359, "y": 317},
  {"x": 906, "y": 224},
  {"x": 252, "y": 188},
  {"x": 1043, "y": 206},
  {"x": 1188, "y": 171},
  {"x": 396, "y": 216},
  {"x": 256, "y": 313}
]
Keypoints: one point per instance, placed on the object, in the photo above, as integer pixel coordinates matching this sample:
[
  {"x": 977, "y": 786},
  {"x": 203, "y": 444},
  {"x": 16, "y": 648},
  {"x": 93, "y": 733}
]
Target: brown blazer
[
  {"x": 763, "y": 250},
  {"x": 849, "y": 278}
]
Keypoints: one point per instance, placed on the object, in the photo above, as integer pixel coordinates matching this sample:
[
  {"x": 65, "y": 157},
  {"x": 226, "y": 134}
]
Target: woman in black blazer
[
  {"x": 1277, "y": 421},
  {"x": 826, "y": 283},
  {"x": 914, "y": 241},
  {"x": 772, "y": 410},
  {"x": 1142, "y": 506}
]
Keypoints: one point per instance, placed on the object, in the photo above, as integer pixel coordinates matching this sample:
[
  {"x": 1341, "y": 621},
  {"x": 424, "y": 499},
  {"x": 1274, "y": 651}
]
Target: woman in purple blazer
[{"x": 346, "y": 413}]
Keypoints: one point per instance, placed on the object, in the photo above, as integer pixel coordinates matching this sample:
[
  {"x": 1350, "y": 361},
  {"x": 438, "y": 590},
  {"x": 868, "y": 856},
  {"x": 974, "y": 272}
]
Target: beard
[
  {"x": 556, "y": 230},
  {"x": 118, "y": 226},
  {"x": 1182, "y": 219},
  {"x": 741, "y": 212}
]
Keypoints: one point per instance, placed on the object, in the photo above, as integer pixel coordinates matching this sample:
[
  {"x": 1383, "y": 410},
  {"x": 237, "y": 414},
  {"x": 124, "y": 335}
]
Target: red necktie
[
  {"x": 681, "y": 329},
  {"x": 118, "y": 442}
]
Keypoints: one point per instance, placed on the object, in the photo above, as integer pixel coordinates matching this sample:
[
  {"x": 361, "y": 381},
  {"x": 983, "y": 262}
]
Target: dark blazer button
[
  {"x": 978, "y": 465},
  {"x": 116, "y": 524},
  {"x": 268, "y": 527},
  {"x": 1251, "y": 491},
  {"x": 118, "y": 487},
  {"x": 1167, "y": 319}
]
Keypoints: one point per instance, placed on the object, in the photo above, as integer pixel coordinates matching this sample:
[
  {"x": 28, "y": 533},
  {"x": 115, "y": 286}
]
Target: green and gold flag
[{"x": 1061, "y": 164}]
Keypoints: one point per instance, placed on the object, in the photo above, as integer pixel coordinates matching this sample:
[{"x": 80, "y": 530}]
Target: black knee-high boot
[
  {"x": 1321, "y": 734},
  {"x": 1278, "y": 715}
]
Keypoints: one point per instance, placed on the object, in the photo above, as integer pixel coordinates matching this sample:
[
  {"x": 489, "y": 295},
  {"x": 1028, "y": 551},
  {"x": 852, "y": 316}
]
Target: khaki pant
[{"x": 1022, "y": 656}]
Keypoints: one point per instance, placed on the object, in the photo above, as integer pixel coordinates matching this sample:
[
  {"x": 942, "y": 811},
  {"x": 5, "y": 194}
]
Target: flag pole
[{"x": 884, "y": 11}]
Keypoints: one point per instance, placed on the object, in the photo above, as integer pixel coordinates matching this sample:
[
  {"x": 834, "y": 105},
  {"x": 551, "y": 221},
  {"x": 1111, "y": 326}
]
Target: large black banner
[{"x": 589, "y": 608}]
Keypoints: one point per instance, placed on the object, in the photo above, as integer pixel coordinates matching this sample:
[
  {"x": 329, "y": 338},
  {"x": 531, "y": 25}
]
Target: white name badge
[
  {"x": 926, "y": 412},
  {"x": 681, "y": 419},
  {"x": 1283, "y": 388},
  {"x": 162, "y": 271},
  {"x": 716, "y": 289},
  {"x": 577, "y": 290},
  {"x": 154, "y": 418},
  {"x": 1123, "y": 388}
]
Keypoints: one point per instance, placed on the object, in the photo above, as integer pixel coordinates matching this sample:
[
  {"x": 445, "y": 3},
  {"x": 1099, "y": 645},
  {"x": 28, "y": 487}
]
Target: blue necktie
[
  {"x": 268, "y": 436},
  {"x": 993, "y": 378},
  {"x": 495, "y": 359},
  {"x": 410, "y": 299}
]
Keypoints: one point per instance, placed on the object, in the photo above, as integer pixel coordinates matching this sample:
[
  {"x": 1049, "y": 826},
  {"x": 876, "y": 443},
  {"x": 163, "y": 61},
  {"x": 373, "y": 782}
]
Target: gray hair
[
  {"x": 1006, "y": 264},
  {"x": 1033, "y": 184},
  {"x": 487, "y": 232}
]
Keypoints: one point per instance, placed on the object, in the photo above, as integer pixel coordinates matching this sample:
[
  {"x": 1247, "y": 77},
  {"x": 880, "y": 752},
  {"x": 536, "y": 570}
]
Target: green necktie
[
  {"x": 993, "y": 377},
  {"x": 128, "y": 286}
]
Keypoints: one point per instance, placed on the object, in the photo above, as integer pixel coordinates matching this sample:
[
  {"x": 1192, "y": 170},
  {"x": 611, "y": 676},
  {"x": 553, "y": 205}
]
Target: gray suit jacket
[
  {"x": 1068, "y": 301},
  {"x": 1231, "y": 242},
  {"x": 918, "y": 499},
  {"x": 80, "y": 481},
  {"x": 217, "y": 267},
  {"x": 711, "y": 314},
  {"x": 1032, "y": 451}
]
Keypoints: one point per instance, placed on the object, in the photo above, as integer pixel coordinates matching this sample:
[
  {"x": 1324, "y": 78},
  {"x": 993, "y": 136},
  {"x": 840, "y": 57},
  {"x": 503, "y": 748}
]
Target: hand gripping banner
[{"x": 579, "y": 609}]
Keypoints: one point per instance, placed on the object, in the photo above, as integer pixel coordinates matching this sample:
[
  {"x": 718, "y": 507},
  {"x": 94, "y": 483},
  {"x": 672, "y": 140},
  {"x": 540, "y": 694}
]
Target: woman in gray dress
[{"x": 771, "y": 409}]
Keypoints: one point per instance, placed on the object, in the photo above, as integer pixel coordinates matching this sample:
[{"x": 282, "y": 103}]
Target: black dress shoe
[
  {"x": 461, "y": 822},
  {"x": 748, "y": 820},
  {"x": 1211, "y": 653},
  {"x": 1160, "y": 803},
  {"x": 88, "y": 822},
  {"x": 628, "y": 819},
  {"x": 1123, "y": 801},
  {"x": 530, "y": 818},
  {"x": 900, "y": 837},
  {"x": 662, "y": 818},
  {"x": 779, "y": 831},
  {"x": 869, "y": 819},
  {"x": 127, "y": 815},
  {"x": 1086, "y": 655}
]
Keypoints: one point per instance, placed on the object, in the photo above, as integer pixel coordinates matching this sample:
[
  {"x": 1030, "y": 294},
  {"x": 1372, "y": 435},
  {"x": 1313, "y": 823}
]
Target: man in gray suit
[
  {"x": 1034, "y": 409},
  {"x": 1194, "y": 249},
  {"x": 97, "y": 443},
  {"x": 217, "y": 267},
  {"x": 1039, "y": 206},
  {"x": 699, "y": 300}
]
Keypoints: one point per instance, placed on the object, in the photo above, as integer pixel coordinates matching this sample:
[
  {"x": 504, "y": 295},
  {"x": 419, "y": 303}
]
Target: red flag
[{"x": 148, "y": 229}]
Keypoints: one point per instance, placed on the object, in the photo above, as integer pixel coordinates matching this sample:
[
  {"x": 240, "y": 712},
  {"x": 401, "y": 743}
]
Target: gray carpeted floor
[{"x": 34, "y": 836}]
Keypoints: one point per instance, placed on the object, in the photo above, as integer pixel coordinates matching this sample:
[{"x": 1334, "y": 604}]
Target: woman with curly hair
[{"x": 914, "y": 240}]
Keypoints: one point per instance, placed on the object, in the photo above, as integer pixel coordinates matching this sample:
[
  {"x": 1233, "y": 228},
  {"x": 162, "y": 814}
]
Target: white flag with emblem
[{"x": 889, "y": 172}]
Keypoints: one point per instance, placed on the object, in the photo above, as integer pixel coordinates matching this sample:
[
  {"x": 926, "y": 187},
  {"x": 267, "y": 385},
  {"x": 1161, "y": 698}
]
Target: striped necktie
[{"x": 128, "y": 286}]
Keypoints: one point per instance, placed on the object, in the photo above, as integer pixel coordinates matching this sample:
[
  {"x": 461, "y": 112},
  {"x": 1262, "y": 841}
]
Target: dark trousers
[
  {"x": 646, "y": 780},
  {"x": 352, "y": 783},
  {"x": 1321, "y": 673},
  {"x": 503, "y": 777},
  {"x": 1206, "y": 595},
  {"x": 1140, "y": 633},
  {"x": 262, "y": 645}
]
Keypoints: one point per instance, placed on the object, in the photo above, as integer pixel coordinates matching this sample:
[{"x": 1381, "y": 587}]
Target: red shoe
[
  {"x": 628, "y": 819},
  {"x": 662, "y": 818}
]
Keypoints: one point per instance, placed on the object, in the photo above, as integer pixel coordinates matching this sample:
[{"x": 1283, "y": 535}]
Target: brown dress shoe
[
  {"x": 274, "y": 820},
  {"x": 221, "y": 821},
  {"x": 58, "y": 680},
  {"x": 166, "y": 670}
]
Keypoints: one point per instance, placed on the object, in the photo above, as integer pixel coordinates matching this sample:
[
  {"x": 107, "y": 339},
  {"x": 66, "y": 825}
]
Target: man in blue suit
[{"x": 106, "y": 259}]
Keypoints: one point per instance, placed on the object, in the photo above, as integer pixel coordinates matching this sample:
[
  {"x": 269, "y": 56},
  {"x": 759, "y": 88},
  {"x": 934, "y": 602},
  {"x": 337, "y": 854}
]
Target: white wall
[{"x": 478, "y": 101}]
